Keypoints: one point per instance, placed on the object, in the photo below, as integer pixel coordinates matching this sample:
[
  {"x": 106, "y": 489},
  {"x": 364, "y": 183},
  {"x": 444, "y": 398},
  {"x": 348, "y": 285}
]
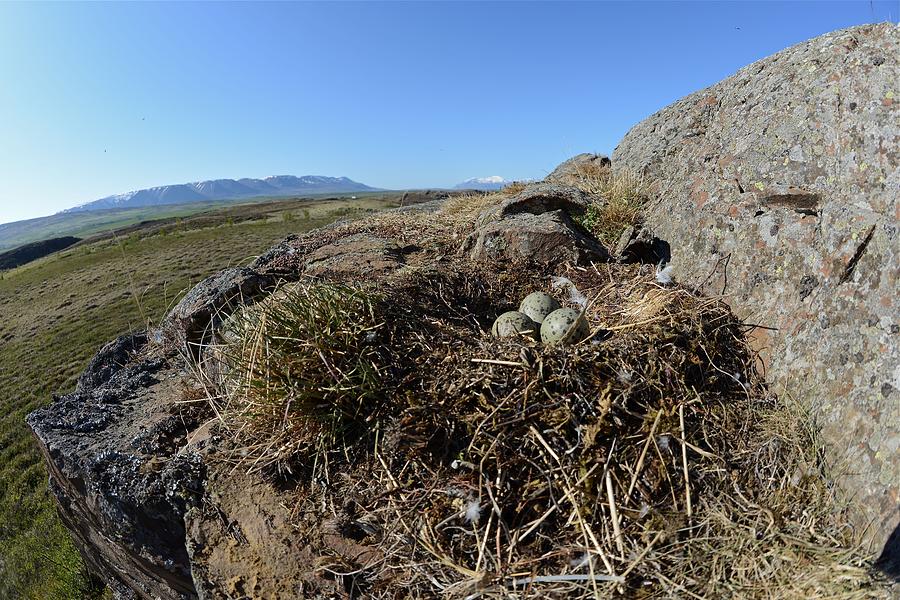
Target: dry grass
[
  {"x": 645, "y": 462},
  {"x": 513, "y": 188},
  {"x": 463, "y": 211},
  {"x": 624, "y": 195}
]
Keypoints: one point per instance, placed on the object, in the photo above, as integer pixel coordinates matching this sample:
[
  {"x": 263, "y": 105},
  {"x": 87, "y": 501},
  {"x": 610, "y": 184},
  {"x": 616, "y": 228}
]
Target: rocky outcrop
[
  {"x": 348, "y": 255},
  {"x": 577, "y": 166},
  {"x": 536, "y": 224},
  {"x": 123, "y": 488},
  {"x": 779, "y": 188},
  {"x": 134, "y": 467},
  {"x": 548, "y": 237},
  {"x": 539, "y": 198},
  {"x": 134, "y": 463},
  {"x": 200, "y": 310}
]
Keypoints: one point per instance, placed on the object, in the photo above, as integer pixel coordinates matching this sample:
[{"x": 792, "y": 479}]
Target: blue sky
[{"x": 97, "y": 99}]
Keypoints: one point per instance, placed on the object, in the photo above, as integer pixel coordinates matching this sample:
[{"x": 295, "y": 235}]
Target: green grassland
[
  {"x": 56, "y": 312},
  {"x": 85, "y": 224}
]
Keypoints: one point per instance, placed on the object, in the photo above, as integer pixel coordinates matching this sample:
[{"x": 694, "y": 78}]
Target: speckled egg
[
  {"x": 538, "y": 305},
  {"x": 565, "y": 326},
  {"x": 514, "y": 323}
]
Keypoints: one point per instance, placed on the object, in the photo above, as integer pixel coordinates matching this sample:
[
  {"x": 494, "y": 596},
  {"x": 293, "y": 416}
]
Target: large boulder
[
  {"x": 550, "y": 238},
  {"x": 779, "y": 189}
]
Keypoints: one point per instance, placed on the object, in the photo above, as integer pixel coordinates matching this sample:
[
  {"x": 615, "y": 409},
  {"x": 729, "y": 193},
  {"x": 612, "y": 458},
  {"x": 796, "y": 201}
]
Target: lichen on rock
[{"x": 779, "y": 189}]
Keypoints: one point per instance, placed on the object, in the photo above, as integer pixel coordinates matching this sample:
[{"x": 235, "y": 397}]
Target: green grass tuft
[{"x": 305, "y": 370}]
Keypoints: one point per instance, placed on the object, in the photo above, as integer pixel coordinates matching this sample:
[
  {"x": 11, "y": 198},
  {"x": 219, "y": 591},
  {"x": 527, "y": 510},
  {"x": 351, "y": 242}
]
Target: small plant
[
  {"x": 624, "y": 193},
  {"x": 303, "y": 371}
]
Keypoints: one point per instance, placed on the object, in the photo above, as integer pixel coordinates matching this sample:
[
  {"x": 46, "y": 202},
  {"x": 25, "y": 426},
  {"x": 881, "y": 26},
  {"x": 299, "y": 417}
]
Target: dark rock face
[
  {"x": 639, "y": 245},
  {"x": 111, "y": 359},
  {"x": 779, "y": 189},
  {"x": 121, "y": 486}
]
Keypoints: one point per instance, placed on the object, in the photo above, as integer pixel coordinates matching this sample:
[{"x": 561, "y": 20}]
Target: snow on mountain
[
  {"x": 226, "y": 189},
  {"x": 494, "y": 182}
]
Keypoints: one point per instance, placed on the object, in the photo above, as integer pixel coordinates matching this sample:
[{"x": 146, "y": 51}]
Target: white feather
[
  {"x": 645, "y": 510},
  {"x": 473, "y": 511},
  {"x": 564, "y": 284},
  {"x": 664, "y": 274},
  {"x": 580, "y": 561}
]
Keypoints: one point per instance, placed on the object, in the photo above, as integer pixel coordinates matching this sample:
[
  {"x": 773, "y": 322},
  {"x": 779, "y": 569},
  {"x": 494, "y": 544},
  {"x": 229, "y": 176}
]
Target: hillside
[
  {"x": 54, "y": 315},
  {"x": 87, "y": 223},
  {"x": 226, "y": 189}
]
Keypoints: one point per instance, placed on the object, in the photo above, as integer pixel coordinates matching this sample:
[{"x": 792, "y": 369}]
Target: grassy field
[
  {"x": 55, "y": 314},
  {"x": 85, "y": 224}
]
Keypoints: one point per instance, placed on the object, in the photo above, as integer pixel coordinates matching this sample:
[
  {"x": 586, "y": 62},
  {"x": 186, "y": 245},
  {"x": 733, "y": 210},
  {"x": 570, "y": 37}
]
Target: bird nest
[{"x": 645, "y": 461}]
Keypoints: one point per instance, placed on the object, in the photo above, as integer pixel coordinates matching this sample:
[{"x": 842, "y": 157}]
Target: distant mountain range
[
  {"x": 226, "y": 189},
  {"x": 494, "y": 182}
]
